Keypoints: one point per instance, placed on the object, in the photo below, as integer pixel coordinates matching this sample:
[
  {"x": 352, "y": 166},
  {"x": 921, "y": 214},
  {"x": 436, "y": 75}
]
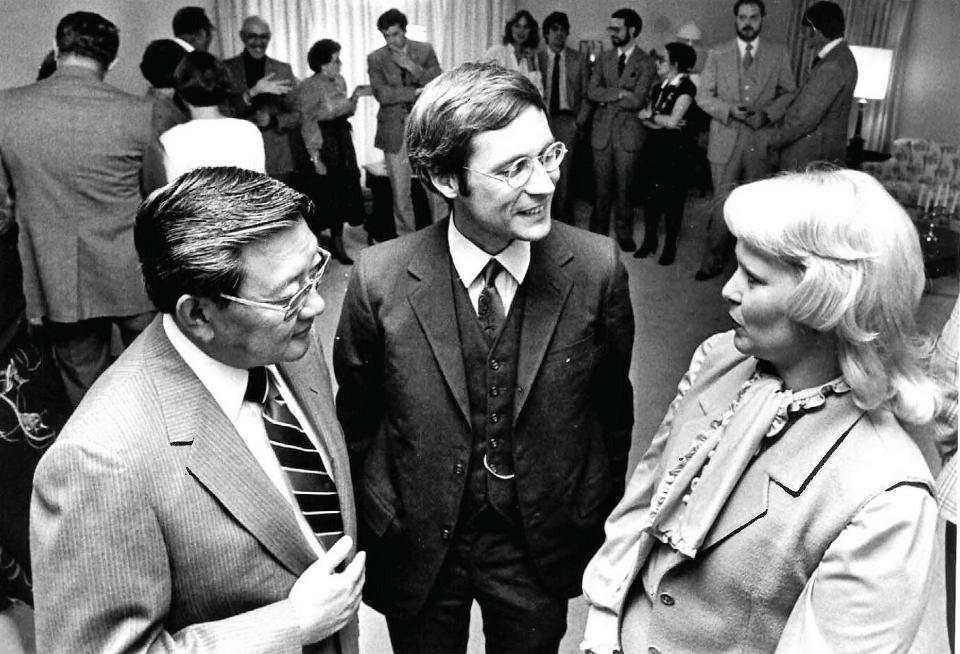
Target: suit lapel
[
  {"x": 431, "y": 298},
  {"x": 220, "y": 461},
  {"x": 546, "y": 289}
]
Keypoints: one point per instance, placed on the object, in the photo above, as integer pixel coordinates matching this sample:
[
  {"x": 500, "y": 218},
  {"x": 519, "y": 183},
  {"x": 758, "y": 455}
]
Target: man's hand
[
  {"x": 757, "y": 119},
  {"x": 739, "y": 113},
  {"x": 324, "y": 601},
  {"x": 270, "y": 84},
  {"x": 261, "y": 118},
  {"x": 403, "y": 60}
]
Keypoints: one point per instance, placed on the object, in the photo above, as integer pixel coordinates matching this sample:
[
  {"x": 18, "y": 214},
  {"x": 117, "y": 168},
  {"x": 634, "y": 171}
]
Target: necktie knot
[
  {"x": 256, "y": 385},
  {"x": 490, "y": 272}
]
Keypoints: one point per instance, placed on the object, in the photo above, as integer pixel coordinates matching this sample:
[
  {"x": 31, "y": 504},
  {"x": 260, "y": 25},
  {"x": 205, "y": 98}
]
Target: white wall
[{"x": 29, "y": 27}]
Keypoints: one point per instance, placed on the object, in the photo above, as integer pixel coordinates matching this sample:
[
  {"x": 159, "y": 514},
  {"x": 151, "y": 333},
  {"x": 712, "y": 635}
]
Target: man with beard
[
  {"x": 745, "y": 85},
  {"x": 620, "y": 85},
  {"x": 484, "y": 392}
]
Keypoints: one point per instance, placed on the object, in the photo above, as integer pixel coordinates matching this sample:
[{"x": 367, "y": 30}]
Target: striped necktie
[{"x": 312, "y": 486}]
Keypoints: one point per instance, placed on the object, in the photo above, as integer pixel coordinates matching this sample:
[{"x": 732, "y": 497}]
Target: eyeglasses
[
  {"x": 519, "y": 172},
  {"x": 255, "y": 36},
  {"x": 290, "y": 306}
]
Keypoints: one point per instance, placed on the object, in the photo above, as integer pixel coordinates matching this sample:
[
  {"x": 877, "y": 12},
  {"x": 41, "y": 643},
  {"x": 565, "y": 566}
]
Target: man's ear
[
  {"x": 447, "y": 185},
  {"x": 193, "y": 317}
]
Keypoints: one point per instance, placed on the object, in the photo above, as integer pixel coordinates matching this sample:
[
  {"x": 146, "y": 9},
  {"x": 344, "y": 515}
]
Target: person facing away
[
  {"x": 781, "y": 505},
  {"x": 160, "y": 60},
  {"x": 192, "y": 29},
  {"x": 746, "y": 85},
  {"x": 209, "y": 138},
  {"x": 620, "y": 85},
  {"x": 483, "y": 382},
  {"x": 72, "y": 154},
  {"x": 200, "y": 499},
  {"x": 398, "y": 72},
  {"x": 816, "y": 122}
]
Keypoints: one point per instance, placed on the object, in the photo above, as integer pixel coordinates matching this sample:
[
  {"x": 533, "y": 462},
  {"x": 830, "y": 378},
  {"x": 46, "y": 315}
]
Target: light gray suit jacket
[
  {"x": 719, "y": 92},
  {"x": 72, "y": 149},
  {"x": 616, "y": 120},
  {"x": 153, "y": 527},
  {"x": 397, "y": 92}
]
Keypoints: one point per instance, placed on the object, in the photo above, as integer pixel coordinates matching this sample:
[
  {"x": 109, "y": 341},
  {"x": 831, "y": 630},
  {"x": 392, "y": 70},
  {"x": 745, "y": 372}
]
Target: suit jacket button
[
  {"x": 458, "y": 469},
  {"x": 667, "y": 599},
  {"x": 445, "y": 533},
  {"x": 494, "y": 364},
  {"x": 494, "y": 443},
  {"x": 494, "y": 417},
  {"x": 494, "y": 391}
]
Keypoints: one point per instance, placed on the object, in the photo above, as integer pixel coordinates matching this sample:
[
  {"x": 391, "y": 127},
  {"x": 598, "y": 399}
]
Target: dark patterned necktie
[
  {"x": 748, "y": 57},
  {"x": 313, "y": 488},
  {"x": 621, "y": 64},
  {"x": 490, "y": 305},
  {"x": 555, "y": 86}
]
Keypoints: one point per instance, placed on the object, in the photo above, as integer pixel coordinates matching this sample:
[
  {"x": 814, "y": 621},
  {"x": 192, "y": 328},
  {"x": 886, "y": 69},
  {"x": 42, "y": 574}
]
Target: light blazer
[
  {"x": 817, "y": 122},
  {"x": 790, "y": 504},
  {"x": 153, "y": 528},
  {"x": 614, "y": 119},
  {"x": 282, "y": 145},
  {"x": 72, "y": 149},
  {"x": 395, "y": 96},
  {"x": 719, "y": 91},
  {"x": 577, "y": 81},
  {"x": 404, "y": 406}
]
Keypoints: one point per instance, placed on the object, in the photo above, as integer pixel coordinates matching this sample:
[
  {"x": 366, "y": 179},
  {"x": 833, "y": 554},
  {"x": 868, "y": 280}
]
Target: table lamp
[{"x": 873, "y": 76}]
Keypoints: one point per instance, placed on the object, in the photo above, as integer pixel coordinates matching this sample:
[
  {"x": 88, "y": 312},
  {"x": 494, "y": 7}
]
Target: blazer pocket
[{"x": 378, "y": 514}]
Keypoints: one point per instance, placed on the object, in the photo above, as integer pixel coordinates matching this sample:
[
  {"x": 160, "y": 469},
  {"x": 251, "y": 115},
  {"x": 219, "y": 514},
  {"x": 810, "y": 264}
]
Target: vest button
[
  {"x": 445, "y": 533},
  {"x": 667, "y": 599},
  {"x": 494, "y": 417},
  {"x": 458, "y": 469},
  {"x": 494, "y": 391},
  {"x": 494, "y": 443},
  {"x": 494, "y": 364}
]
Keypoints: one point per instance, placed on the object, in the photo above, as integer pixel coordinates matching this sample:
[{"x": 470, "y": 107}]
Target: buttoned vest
[{"x": 491, "y": 373}]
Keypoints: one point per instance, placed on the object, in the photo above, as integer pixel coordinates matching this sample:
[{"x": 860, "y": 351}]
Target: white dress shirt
[
  {"x": 227, "y": 385},
  {"x": 469, "y": 261}
]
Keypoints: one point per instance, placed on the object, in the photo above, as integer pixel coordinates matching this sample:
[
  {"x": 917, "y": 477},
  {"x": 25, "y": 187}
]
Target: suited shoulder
[
  {"x": 378, "y": 55},
  {"x": 597, "y": 251}
]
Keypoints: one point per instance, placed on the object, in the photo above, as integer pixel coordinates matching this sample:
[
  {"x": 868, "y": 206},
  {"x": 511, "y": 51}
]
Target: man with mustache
[
  {"x": 746, "y": 84},
  {"x": 484, "y": 394}
]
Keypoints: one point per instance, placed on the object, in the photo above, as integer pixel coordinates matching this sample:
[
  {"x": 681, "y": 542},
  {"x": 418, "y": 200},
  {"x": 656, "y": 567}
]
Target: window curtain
[
  {"x": 875, "y": 23},
  {"x": 459, "y": 31}
]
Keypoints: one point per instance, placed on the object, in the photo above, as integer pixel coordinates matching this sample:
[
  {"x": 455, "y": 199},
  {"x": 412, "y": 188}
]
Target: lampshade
[
  {"x": 417, "y": 32},
  {"x": 873, "y": 71},
  {"x": 689, "y": 32}
]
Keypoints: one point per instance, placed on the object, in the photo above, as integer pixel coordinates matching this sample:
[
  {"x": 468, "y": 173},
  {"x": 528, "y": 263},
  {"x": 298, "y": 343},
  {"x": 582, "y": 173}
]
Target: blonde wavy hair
[{"x": 860, "y": 272}]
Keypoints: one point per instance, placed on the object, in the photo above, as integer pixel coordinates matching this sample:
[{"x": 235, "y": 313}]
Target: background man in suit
[
  {"x": 192, "y": 29},
  {"x": 398, "y": 72},
  {"x": 484, "y": 393},
  {"x": 620, "y": 85},
  {"x": 564, "y": 74},
  {"x": 744, "y": 86},
  {"x": 173, "y": 514},
  {"x": 72, "y": 150},
  {"x": 262, "y": 93},
  {"x": 816, "y": 124}
]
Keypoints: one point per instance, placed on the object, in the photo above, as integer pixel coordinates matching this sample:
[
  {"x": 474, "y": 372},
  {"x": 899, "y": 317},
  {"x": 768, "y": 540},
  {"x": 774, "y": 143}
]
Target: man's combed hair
[
  {"x": 190, "y": 234},
  {"x": 392, "y": 17},
  {"x": 191, "y": 20},
  {"x": 456, "y": 106},
  {"x": 860, "y": 275},
  {"x": 90, "y": 35},
  {"x": 202, "y": 80}
]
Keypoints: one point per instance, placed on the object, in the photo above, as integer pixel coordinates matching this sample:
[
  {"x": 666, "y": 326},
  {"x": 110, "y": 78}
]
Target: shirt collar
[
  {"x": 183, "y": 44},
  {"x": 675, "y": 80},
  {"x": 828, "y": 47},
  {"x": 225, "y": 383},
  {"x": 469, "y": 259},
  {"x": 742, "y": 46},
  {"x": 628, "y": 51}
]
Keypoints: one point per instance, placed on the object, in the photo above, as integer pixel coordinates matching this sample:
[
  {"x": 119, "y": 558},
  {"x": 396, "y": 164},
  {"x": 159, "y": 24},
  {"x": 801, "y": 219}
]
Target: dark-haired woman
[
  {"x": 325, "y": 108},
  {"x": 667, "y": 150},
  {"x": 521, "y": 37},
  {"x": 209, "y": 138}
]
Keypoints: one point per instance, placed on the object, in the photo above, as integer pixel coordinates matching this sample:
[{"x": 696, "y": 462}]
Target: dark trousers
[
  {"x": 82, "y": 349},
  {"x": 615, "y": 172},
  {"x": 564, "y": 128},
  {"x": 666, "y": 171},
  {"x": 487, "y": 562},
  {"x": 951, "y": 565}
]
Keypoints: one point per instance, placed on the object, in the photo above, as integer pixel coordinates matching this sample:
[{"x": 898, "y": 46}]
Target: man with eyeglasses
[
  {"x": 484, "y": 394},
  {"x": 200, "y": 497}
]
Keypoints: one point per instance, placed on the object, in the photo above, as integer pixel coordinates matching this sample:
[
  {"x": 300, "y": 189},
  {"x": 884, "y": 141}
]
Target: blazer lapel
[
  {"x": 546, "y": 288},
  {"x": 221, "y": 462},
  {"x": 431, "y": 298}
]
